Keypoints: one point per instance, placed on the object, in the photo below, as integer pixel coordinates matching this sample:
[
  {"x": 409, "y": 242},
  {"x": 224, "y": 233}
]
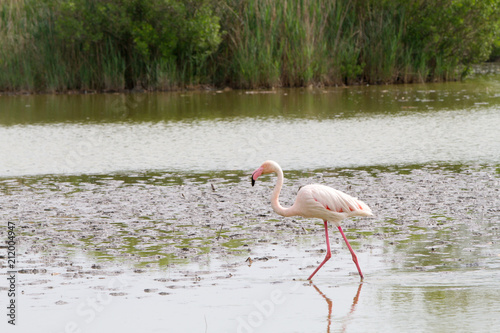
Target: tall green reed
[{"x": 266, "y": 43}]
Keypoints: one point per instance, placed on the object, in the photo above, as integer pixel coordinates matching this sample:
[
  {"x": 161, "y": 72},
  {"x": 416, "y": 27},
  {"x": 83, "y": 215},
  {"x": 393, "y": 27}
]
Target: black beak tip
[{"x": 253, "y": 181}]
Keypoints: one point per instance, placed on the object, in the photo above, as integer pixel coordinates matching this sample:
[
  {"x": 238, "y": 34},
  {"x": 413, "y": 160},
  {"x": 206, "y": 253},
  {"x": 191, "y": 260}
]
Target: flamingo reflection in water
[{"x": 330, "y": 307}]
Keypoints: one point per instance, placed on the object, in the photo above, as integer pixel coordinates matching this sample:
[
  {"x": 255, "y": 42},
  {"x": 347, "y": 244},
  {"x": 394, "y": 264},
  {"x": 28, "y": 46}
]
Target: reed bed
[{"x": 252, "y": 44}]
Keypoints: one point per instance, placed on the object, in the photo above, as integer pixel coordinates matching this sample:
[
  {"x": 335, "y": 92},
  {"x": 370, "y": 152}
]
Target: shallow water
[
  {"x": 229, "y": 296},
  {"x": 97, "y": 247},
  {"x": 342, "y": 127},
  {"x": 137, "y": 213}
]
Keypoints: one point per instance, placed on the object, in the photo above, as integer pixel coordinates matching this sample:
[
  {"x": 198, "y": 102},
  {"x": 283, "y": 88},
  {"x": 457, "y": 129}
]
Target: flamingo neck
[{"x": 275, "y": 203}]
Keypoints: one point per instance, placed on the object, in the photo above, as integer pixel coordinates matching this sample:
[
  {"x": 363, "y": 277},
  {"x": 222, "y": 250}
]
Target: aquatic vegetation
[{"x": 55, "y": 45}]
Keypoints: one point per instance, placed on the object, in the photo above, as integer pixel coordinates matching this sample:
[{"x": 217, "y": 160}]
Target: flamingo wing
[{"x": 329, "y": 204}]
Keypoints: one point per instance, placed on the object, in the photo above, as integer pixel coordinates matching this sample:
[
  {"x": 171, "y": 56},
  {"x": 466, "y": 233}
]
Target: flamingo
[{"x": 316, "y": 201}]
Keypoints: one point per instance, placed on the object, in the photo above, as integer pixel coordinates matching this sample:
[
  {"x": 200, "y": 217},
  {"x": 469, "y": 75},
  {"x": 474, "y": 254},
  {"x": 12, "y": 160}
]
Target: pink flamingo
[{"x": 317, "y": 201}]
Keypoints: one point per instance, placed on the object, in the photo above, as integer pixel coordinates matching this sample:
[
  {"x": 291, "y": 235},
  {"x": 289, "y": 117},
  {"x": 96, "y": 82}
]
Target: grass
[{"x": 265, "y": 43}]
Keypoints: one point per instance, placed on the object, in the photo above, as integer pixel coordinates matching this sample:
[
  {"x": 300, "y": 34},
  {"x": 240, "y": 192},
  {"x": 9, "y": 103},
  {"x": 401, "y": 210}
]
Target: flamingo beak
[{"x": 256, "y": 175}]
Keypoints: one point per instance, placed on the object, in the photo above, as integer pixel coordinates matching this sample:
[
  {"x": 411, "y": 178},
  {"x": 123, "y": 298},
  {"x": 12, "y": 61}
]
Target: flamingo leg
[
  {"x": 354, "y": 258},
  {"x": 328, "y": 252}
]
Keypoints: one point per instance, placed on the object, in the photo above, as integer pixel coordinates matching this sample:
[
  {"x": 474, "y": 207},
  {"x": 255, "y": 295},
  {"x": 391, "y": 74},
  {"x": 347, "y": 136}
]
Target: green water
[
  {"x": 203, "y": 131},
  {"x": 143, "y": 202}
]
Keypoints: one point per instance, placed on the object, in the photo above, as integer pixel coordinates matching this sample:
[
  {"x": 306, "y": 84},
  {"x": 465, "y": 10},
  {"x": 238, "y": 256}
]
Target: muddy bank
[
  {"x": 160, "y": 219},
  {"x": 197, "y": 252}
]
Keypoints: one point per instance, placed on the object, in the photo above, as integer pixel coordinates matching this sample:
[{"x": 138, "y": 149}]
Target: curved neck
[{"x": 276, "y": 193}]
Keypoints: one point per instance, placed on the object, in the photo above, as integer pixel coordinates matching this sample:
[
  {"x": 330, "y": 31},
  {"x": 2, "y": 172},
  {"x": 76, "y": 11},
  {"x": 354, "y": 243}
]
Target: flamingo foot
[
  {"x": 354, "y": 257},
  {"x": 328, "y": 252},
  {"x": 327, "y": 257}
]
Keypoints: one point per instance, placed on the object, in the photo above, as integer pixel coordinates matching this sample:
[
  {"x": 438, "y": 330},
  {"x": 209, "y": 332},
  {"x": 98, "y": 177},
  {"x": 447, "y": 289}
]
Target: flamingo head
[{"x": 265, "y": 168}]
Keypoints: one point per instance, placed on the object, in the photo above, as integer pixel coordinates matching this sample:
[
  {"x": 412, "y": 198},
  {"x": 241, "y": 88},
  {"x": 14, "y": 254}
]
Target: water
[
  {"x": 455, "y": 122},
  {"x": 135, "y": 212}
]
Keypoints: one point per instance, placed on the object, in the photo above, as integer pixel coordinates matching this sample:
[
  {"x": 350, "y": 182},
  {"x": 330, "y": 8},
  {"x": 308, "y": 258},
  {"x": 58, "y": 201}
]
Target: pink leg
[
  {"x": 328, "y": 252},
  {"x": 354, "y": 258}
]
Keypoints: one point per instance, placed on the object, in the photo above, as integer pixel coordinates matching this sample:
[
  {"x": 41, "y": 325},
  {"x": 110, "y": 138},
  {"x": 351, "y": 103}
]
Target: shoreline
[
  {"x": 485, "y": 68},
  {"x": 202, "y": 88}
]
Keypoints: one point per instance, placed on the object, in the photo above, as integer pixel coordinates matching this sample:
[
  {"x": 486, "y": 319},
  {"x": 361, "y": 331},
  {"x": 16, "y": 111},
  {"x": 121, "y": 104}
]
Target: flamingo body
[
  {"x": 328, "y": 204},
  {"x": 316, "y": 201}
]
